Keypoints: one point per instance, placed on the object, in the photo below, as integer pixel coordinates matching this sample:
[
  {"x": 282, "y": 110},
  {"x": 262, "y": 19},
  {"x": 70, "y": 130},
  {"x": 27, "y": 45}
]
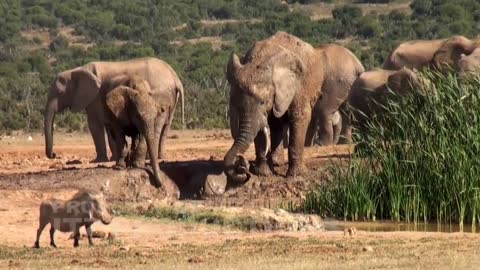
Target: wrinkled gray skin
[
  {"x": 82, "y": 88},
  {"x": 276, "y": 86},
  {"x": 469, "y": 64},
  {"x": 373, "y": 88},
  {"x": 83, "y": 209},
  {"x": 132, "y": 111}
]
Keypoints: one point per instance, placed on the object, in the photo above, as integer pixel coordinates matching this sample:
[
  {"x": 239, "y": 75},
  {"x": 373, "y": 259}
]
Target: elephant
[
  {"x": 415, "y": 54},
  {"x": 131, "y": 110},
  {"x": 446, "y": 58},
  {"x": 469, "y": 64},
  {"x": 372, "y": 89},
  {"x": 81, "y": 88},
  {"x": 276, "y": 85}
]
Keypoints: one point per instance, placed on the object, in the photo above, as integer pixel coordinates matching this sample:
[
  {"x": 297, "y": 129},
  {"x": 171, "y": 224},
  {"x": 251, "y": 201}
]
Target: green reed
[{"x": 418, "y": 161}]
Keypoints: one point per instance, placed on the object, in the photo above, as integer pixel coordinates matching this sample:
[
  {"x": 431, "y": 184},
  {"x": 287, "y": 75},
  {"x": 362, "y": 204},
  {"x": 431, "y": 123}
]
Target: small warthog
[{"x": 83, "y": 209}]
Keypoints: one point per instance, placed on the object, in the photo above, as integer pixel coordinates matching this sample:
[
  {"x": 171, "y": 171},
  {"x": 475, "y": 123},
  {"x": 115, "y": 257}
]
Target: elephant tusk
[{"x": 266, "y": 132}]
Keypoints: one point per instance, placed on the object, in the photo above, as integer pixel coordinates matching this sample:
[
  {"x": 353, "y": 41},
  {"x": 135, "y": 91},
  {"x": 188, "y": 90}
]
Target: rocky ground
[{"x": 242, "y": 228}]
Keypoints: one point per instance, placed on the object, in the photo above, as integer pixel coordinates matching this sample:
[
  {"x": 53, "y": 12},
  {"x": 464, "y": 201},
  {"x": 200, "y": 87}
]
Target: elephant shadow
[{"x": 191, "y": 176}]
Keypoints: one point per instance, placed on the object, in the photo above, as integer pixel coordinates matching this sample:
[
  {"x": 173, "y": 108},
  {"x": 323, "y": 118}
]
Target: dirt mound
[
  {"x": 197, "y": 180},
  {"x": 126, "y": 185}
]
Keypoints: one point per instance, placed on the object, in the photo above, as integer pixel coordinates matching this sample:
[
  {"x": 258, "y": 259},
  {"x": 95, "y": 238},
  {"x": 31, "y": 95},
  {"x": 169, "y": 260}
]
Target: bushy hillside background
[{"x": 38, "y": 38}]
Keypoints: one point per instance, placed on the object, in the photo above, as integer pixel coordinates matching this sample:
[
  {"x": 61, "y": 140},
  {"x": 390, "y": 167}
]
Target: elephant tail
[{"x": 181, "y": 95}]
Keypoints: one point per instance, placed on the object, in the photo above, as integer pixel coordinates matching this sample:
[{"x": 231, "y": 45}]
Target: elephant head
[
  {"x": 469, "y": 64},
  {"x": 261, "y": 87},
  {"x": 448, "y": 55},
  {"x": 74, "y": 89}
]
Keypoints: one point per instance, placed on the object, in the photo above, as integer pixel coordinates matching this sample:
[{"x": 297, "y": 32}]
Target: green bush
[{"x": 417, "y": 163}]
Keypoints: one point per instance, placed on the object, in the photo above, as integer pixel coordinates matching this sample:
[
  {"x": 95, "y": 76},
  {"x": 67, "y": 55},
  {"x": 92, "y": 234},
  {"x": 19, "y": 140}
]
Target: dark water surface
[{"x": 388, "y": 226}]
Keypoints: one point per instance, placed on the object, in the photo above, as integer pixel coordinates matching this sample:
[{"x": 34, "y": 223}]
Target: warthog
[{"x": 83, "y": 209}]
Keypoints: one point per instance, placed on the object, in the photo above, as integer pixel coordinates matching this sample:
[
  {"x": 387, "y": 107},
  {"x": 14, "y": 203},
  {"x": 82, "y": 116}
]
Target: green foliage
[
  {"x": 123, "y": 29},
  {"x": 417, "y": 163}
]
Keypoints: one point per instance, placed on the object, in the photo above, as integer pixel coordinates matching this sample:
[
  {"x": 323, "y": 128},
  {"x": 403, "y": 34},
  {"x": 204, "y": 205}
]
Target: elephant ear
[
  {"x": 287, "y": 78},
  {"x": 115, "y": 101},
  {"x": 87, "y": 87}
]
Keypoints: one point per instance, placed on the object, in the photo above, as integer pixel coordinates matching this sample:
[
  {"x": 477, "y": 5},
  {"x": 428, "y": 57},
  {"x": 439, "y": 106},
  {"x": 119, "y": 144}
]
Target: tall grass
[{"x": 420, "y": 161}]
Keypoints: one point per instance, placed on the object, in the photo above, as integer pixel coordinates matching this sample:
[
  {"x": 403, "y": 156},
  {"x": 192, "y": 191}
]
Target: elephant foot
[
  {"x": 138, "y": 164},
  {"x": 120, "y": 165},
  {"x": 100, "y": 160},
  {"x": 295, "y": 170},
  {"x": 277, "y": 159},
  {"x": 262, "y": 169}
]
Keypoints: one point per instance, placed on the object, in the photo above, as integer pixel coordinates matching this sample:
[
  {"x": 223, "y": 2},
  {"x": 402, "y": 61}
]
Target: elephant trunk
[
  {"x": 50, "y": 110},
  {"x": 152, "y": 146},
  {"x": 234, "y": 171}
]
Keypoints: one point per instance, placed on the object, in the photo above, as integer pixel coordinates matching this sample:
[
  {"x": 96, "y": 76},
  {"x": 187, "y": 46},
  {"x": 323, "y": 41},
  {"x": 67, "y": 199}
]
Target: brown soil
[{"x": 27, "y": 178}]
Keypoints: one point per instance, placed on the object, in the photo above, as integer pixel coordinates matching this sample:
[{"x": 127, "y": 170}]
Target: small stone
[
  {"x": 74, "y": 261},
  {"x": 196, "y": 259},
  {"x": 124, "y": 248},
  {"x": 30, "y": 138},
  {"x": 367, "y": 249}
]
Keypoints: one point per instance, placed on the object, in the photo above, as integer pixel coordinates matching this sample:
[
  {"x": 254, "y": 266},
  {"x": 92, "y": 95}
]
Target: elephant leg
[
  {"x": 312, "y": 131},
  {"x": 133, "y": 149},
  {"x": 277, "y": 132},
  {"x": 298, "y": 127},
  {"x": 346, "y": 132},
  {"x": 121, "y": 147},
  {"x": 112, "y": 144},
  {"x": 325, "y": 129},
  {"x": 162, "y": 139},
  {"x": 261, "y": 167},
  {"x": 96, "y": 125},
  {"x": 140, "y": 153}
]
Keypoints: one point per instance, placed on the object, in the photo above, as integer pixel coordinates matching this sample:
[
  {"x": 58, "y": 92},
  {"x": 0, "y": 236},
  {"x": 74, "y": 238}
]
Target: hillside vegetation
[{"x": 38, "y": 38}]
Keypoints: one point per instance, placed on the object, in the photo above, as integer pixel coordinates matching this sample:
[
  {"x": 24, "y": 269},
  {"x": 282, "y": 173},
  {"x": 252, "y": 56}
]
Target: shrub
[{"x": 417, "y": 163}]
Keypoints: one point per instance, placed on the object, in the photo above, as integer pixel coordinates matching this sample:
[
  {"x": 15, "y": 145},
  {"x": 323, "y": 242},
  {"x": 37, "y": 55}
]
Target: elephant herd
[{"x": 281, "y": 86}]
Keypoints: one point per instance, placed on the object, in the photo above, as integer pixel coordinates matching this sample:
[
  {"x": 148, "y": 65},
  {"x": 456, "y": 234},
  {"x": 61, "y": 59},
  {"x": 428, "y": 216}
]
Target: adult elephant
[
  {"x": 372, "y": 90},
  {"x": 278, "y": 83},
  {"x": 81, "y": 89},
  {"x": 415, "y": 54}
]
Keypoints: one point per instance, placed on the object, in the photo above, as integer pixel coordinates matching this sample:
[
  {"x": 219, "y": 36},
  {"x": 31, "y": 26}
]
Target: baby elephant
[
  {"x": 131, "y": 110},
  {"x": 83, "y": 209}
]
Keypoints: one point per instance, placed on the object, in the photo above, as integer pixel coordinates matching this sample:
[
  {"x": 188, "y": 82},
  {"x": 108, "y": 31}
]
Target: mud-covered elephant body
[
  {"x": 372, "y": 90},
  {"x": 82, "y": 88},
  {"x": 276, "y": 85},
  {"x": 131, "y": 110},
  {"x": 414, "y": 54}
]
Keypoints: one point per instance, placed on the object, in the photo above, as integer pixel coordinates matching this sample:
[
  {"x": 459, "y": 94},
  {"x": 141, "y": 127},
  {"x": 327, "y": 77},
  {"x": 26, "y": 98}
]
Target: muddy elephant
[
  {"x": 372, "y": 90},
  {"x": 415, "y": 54},
  {"x": 132, "y": 111},
  {"x": 469, "y": 64},
  {"x": 276, "y": 85},
  {"x": 447, "y": 57},
  {"x": 81, "y": 89}
]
